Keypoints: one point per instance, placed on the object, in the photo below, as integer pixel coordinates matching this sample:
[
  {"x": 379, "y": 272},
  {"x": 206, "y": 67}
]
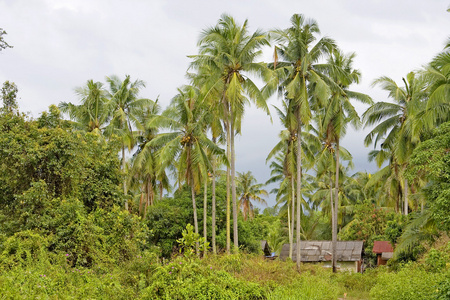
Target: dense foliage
[{"x": 87, "y": 207}]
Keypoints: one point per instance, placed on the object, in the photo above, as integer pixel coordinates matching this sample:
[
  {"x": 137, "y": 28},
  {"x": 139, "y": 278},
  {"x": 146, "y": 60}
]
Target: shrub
[
  {"x": 24, "y": 248},
  {"x": 410, "y": 283},
  {"x": 190, "y": 279},
  {"x": 308, "y": 286}
]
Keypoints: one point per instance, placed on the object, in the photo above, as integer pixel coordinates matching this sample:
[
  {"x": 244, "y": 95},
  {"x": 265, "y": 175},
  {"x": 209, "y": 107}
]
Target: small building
[
  {"x": 265, "y": 248},
  {"x": 349, "y": 253},
  {"x": 383, "y": 250}
]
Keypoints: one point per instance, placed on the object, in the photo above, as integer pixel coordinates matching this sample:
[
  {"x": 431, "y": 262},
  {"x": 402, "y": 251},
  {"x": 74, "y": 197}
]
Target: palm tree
[
  {"x": 145, "y": 163},
  {"x": 338, "y": 112},
  {"x": 437, "y": 76},
  {"x": 400, "y": 125},
  {"x": 201, "y": 79},
  {"x": 91, "y": 115},
  {"x": 187, "y": 144},
  {"x": 297, "y": 69},
  {"x": 249, "y": 190},
  {"x": 286, "y": 150},
  {"x": 230, "y": 52},
  {"x": 124, "y": 106}
]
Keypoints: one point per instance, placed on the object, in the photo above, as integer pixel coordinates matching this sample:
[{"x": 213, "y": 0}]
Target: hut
[
  {"x": 383, "y": 250},
  {"x": 349, "y": 253}
]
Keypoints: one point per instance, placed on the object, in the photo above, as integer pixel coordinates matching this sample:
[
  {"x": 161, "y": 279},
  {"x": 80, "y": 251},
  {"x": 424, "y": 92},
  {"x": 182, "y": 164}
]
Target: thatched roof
[{"x": 315, "y": 251}]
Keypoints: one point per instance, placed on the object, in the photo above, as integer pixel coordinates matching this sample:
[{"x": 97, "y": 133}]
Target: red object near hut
[{"x": 383, "y": 250}]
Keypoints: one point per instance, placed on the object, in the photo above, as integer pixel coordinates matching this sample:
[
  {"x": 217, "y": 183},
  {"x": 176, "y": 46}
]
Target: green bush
[
  {"x": 320, "y": 286},
  {"x": 435, "y": 261},
  {"x": 190, "y": 279},
  {"x": 24, "y": 249},
  {"x": 410, "y": 283},
  {"x": 443, "y": 288}
]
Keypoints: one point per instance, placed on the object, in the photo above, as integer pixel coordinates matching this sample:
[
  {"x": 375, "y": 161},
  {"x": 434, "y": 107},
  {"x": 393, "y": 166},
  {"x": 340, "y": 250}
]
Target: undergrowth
[{"x": 239, "y": 276}]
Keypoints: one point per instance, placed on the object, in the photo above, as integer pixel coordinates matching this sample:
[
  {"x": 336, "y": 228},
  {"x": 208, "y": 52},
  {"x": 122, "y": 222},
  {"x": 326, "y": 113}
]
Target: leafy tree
[
  {"x": 72, "y": 164},
  {"x": 431, "y": 159},
  {"x": 3, "y": 43},
  {"x": 369, "y": 224},
  {"x": 9, "y": 96}
]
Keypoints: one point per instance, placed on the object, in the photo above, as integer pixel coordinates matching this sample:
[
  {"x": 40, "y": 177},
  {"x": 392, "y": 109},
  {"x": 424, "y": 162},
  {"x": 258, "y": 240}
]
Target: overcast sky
[{"x": 60, "y": 44}]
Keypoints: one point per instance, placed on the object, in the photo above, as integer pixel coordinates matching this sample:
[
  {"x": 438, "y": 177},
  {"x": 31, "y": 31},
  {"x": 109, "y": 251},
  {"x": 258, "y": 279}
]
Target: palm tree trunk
[
  {"x": 299, "y": 185},
  {"x": 205, "y": 210},
  {"x": 405, "y": 195},
  {"x": 141, "y": 201},
  {"x": 213, "y": 191},
  {"x": 332, "y": 214},
  {"x": 151, "y": 193},
  {"x": 397, "y": 205},
  {"x": 194, "y": 205},
  {"x": 336, "y": 207},
  {"x": 291, "y": 230},
  {"x": 195, "y": 214},
  {"x": 124, "y": 177},
  {"x": 233, "y": 190},
  {"x": 331, "y": 200},
  {"x": 228, "y": 188}
]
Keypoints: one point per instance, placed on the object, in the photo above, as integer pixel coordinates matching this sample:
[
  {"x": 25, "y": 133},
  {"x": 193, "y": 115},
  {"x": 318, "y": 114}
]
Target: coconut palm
[
  {"x": 400, "y": 125},
  {"x": 285, "y": 153},
  {"x": 339, "y": 112},
  {"x": 145, "y": 164},
  {"x": 92, "y": 114},
  {"x": 249, "y": 190},
  {"x": 286, "y": 148},
  {"x": 230, "y": 51},
  {"x": 297, "y": 68},
  {"x": 186, "y": 144},
  {"x": 124, "y": 106},
  {"x": 437, "y": 76},
  {"x": 202, "y": 80}
]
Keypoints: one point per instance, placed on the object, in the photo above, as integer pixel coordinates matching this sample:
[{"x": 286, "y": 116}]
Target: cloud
[{"x": 60, "y": 44}]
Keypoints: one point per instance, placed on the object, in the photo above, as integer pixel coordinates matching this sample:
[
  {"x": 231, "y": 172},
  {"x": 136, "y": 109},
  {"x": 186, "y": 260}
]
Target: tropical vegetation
[{"x": 101, "y": 198}]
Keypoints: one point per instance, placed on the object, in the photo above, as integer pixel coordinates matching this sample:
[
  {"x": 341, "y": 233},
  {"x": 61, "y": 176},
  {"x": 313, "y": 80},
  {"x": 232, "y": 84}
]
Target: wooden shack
[
  {"x": 349, "y": 253},
  {"x": 383, "y": 250}
]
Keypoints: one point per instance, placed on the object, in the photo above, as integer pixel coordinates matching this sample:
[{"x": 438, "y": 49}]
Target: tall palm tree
[
  {"x": 187, "y": 144},
  {"x": 230, "y": 51},
  {"x": 91, "y": 115},
  {"x": 124, "y": 105},
  {"x": 297, "y": 69},
  {"x": 145, "y": 163},
  {"x": 400, "y": 125},
  {"x": 339, "y": 112},
  {"x": 201, "y": 79},
  {"x": 249, "y": 190},
  {"x": 286, "y": 149},
  {"x": 437, "y": 76}
]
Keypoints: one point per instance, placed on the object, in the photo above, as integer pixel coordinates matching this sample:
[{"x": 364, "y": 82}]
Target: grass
[{"x": 239, "y": 276}]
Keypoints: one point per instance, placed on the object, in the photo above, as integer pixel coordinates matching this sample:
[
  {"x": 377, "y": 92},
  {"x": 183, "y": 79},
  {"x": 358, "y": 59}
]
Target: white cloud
[{"x": 59, "y": 44}]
